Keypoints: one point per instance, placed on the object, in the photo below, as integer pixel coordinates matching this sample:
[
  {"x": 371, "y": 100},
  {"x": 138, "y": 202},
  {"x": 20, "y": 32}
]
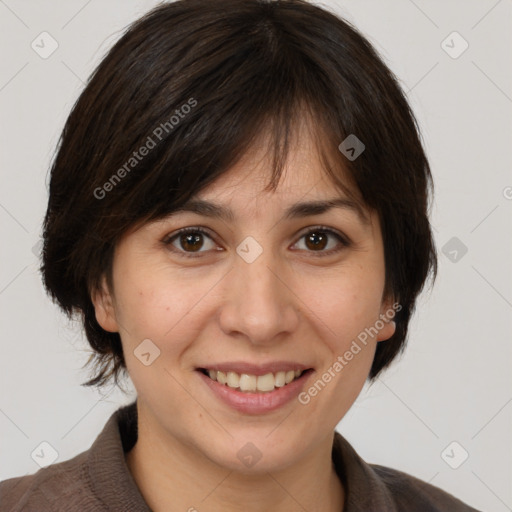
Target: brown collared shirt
[{"x": 98, "y": 479}]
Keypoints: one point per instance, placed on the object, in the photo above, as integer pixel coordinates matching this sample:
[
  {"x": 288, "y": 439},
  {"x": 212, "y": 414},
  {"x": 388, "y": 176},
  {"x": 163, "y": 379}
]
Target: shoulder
[
  {"x": 411, "y": 493},
  {"x": 95, "y": 480},
  {"x": 53, "y": 488},
  {"x": 376, "y": 487}
]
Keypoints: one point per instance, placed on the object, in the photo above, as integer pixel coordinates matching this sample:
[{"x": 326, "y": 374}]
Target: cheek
[
  {"x": 345, "y": 301},
  {"x": 156, "y": 306},
  {"x": 343, "y": 313},
  {"x": 149, "y": 302},
  {"x": 161, "y": 310},
  {"x": 344, "y": 306}
]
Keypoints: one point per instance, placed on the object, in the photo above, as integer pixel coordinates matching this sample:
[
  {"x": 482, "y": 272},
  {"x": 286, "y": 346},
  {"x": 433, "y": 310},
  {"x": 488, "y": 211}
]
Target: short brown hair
[{"x": 240, "y": 66}]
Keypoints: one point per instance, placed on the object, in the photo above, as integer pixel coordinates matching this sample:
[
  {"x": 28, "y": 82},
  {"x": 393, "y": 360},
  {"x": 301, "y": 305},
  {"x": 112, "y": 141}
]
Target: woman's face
[{"x": 259, "y": 287}]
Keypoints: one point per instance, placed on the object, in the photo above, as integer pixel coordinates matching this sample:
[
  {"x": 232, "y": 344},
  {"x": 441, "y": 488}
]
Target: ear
[
  {"x": 102, "y": 300},
  {"x": 388, "y": 311}
]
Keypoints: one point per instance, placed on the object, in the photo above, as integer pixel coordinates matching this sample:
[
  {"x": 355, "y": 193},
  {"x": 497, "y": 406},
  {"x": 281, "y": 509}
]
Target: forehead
[
  {"x": 304, "y": 175},
  {"x": 304, "y": 188}
]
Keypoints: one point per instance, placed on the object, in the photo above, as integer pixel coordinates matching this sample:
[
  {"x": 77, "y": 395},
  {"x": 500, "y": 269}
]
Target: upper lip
[{"x": 255, "y": 369}]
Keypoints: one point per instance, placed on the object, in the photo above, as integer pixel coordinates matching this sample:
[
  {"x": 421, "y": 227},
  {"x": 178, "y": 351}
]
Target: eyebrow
[{"x": 297, "y": 210}]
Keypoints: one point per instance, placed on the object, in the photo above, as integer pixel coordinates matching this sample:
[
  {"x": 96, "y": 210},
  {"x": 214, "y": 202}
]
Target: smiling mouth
[{"x": 248, "y": 383}]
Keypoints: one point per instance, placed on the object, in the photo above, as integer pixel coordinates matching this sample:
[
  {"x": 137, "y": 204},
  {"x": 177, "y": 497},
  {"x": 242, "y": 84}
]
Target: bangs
[{"x": 276, "y": 136}]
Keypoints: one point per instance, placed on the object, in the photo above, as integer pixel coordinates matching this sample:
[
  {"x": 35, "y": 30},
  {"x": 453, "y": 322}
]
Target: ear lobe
[
  {"x": 388, "y": 312},
  {"x": 387, "y": 331},
  {"x": 104, "y": 307}
]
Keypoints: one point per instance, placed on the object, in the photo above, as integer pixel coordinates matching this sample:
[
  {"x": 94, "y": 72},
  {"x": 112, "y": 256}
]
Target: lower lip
[{"x": 256, "y": 403}]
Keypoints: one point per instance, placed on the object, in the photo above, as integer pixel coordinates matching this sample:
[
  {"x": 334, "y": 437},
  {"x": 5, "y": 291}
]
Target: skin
[{"x": 289, "y": 304}]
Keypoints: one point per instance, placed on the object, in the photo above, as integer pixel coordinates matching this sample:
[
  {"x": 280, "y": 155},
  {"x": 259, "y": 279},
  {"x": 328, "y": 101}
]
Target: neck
[{"x": 174, "y": 476}]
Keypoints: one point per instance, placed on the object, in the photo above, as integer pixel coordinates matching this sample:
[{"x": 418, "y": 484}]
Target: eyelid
[
  {"x": 326, "y": 229},
  {"x": 168, "y": 239},
  {"x": 189, "y": 229}
]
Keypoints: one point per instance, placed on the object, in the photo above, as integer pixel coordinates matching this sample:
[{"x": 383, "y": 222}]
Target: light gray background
[{"x": 454, "y": 381}]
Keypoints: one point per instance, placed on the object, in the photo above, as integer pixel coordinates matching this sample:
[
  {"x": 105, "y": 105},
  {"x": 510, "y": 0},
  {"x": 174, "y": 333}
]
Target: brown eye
[
  {"x": 323, "y": 241},
  {"x": 316, "y": 240},
  {"x": 191, "y": 241},
  {"x": 188, "y": 241}
]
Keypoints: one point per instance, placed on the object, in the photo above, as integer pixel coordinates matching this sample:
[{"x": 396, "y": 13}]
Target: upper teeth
[{"x": 246, "y": 382}]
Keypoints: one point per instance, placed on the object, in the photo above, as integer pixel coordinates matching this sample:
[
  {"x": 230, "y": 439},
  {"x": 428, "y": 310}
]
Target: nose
[{"x": 259, "y": 303}]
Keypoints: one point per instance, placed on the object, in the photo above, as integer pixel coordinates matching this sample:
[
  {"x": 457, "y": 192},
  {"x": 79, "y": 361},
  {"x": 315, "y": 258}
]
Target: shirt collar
[
  {"x": 364, "y": 490},
  {"x": 115, "y": 486},
  {"x": 111, "y": 479}
]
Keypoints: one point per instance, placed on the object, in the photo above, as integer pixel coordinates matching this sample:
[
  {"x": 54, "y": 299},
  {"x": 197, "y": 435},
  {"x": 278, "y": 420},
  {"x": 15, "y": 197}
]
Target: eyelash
[{"x": 344, "y": 241}]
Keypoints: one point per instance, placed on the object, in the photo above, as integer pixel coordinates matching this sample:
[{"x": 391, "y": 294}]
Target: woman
[{"x": 232, "y": 218}]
